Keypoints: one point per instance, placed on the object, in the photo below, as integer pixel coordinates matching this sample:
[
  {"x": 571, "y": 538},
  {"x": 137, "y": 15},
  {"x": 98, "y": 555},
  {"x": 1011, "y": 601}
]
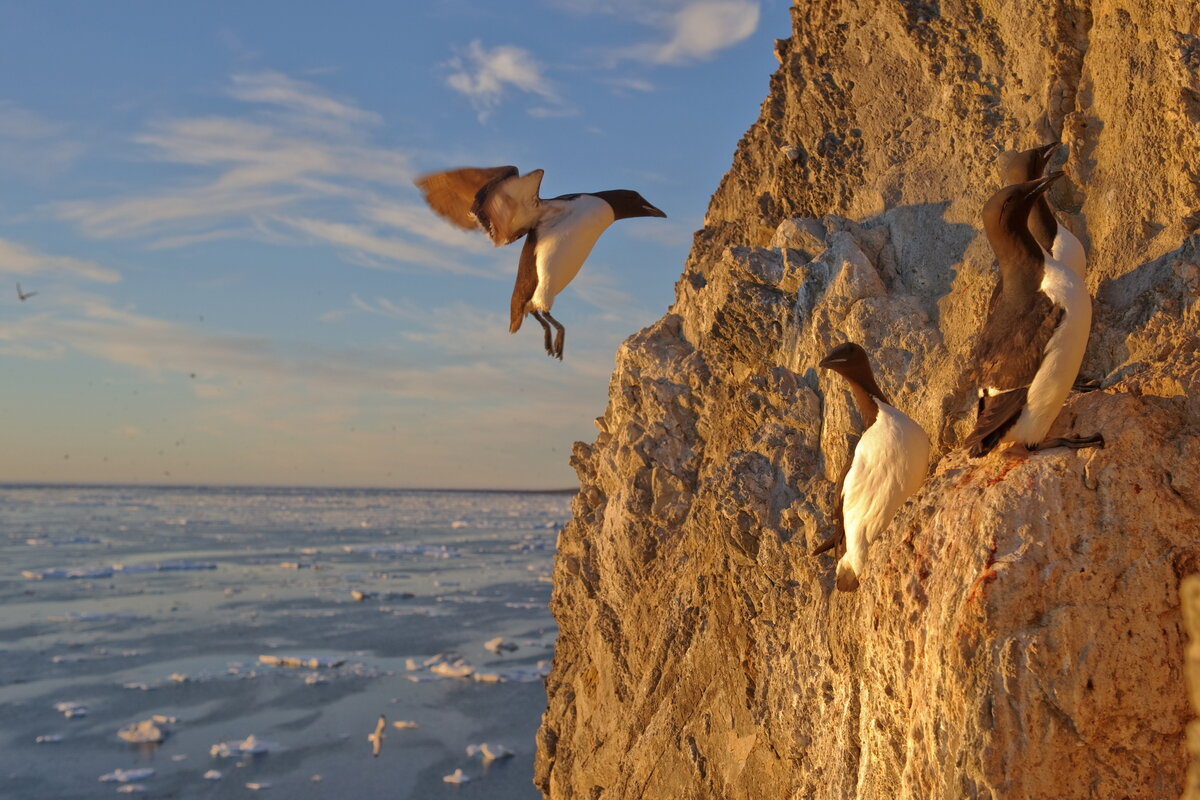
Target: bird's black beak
[
  {"x": 1042, "y": 184},
  {"x": 1047, "y": 150},
  {"x": 650, "y": 211},
  {"x": 828, "y": 362}
]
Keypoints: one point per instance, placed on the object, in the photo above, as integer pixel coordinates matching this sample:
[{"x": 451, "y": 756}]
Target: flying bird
[
  {"x": 1055, "y": 239},
  {"x": 1033, "y": 341},
  {"x": 23, "y": 296},
  {"x": 559, "y": 232},
  {"x": 376, "y": 738},
  {"x": 887, "y": 467}
]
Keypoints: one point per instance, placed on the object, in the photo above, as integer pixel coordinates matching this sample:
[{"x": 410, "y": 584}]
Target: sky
[{"x": 236, "y": 281}]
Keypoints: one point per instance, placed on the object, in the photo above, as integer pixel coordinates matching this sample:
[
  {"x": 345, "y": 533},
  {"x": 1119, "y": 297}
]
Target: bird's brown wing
[
  {"x": 508, "y": 206},
  {"x": 452, "y": 194},
  {"x": 839, "y": 521},
  {"x": 526, "y": 282},
  {"x": 1007, "y": 356}
]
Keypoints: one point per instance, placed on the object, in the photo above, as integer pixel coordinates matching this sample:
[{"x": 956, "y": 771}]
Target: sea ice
[
  {"x": 127, "y": 775},
  {"x": 499, "y": 645},
  {"x": 305, "y": 662},
  {"x": 405, "y": 724},
  {"x": 459, "y": 669},
  {"x": 130, "y": 788},
  {"x": 49, "y": 738},
  {"x": 257, "y": 786},
  {"x": 386, "y": 550},
  {"x": 250, "y": 746},
  {"x": 213, "y": 775},
  {"x": 70, "y": 710},
  {"x": 456, "y": 777},
  {"x": 148, "y": 731},
  {"x": 67, "y": 574},
  {"x": 489, "y": 751}
]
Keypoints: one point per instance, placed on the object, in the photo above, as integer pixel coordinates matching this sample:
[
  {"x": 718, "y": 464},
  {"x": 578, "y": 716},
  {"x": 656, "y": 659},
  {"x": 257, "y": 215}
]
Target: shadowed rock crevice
[{"x": 1018, "y": 630}]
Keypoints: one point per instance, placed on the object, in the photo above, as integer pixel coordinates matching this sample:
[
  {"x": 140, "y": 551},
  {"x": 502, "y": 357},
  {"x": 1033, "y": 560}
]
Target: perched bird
[
  {"x": 1031, "y": 346},
  {"x": 1064, "y": 246},
  {"x": 376, "y": 738},
  {"x": 888, "y": 465},
  {"x": 24, "y": 295},
  {"x": 1055, "y": 239},
  {"x": 559, "y": 232}
]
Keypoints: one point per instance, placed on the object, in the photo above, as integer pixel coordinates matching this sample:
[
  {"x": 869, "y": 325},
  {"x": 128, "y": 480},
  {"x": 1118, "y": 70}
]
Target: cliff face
[{"x": 1019, "y": 632}]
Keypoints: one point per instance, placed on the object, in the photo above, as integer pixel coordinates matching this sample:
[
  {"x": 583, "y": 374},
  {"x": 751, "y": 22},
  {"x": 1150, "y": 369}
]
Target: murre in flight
[
  {"x": 1033, "y": 341},
  {"x": 559, "y": 232},
  {"x": 887, "y": 467},
  {"x": 23, "y": 296}
]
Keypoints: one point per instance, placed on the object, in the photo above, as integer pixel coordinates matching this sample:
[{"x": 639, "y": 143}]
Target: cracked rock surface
[{"x": 1019, "y": 631}]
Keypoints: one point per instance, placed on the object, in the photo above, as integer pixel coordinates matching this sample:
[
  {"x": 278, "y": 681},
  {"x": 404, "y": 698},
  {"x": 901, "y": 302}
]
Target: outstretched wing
[
  {"x": 452, "y": 194},
  {"x": 526, "y": 282},
  {"x": 508, "y": 207}
]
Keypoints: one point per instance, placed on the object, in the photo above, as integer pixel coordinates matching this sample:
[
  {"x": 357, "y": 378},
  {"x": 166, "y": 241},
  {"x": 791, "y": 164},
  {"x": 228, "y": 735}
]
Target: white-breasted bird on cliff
[
  {"x": 1052, "y": 236},
  {"x": 1029, "y": 351},
  {"x": 559, "y": 231},
  {"x": 887, "y": 467}
]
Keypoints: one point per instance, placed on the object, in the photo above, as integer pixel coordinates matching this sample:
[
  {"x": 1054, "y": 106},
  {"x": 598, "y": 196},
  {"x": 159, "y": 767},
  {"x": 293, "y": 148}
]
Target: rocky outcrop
[{"x": 1018, "y": 632}]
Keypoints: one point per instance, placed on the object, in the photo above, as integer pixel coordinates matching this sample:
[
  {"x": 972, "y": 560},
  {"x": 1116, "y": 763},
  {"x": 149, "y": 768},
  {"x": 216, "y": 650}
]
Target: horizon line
[{"x": 266, "y": 487}]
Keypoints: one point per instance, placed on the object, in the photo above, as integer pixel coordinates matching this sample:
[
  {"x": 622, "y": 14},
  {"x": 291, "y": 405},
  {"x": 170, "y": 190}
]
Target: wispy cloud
[
  {"x": 32, "y": 145},
  {"x": 363, "y": 240},
  {"x": 484, "y": 76},
  {"x": 698, "y": 31},
  {"x": 17, "y": 259},
  {"x": 275, "y": 88},
  {"x": 297, "y": 169}
]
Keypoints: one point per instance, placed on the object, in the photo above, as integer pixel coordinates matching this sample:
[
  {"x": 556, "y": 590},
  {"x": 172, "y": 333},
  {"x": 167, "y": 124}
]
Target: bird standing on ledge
[
  {"x": 1031, "y": 346},
  {"x": 559, "y": 232},
  {"x": 888, "y": 465}
]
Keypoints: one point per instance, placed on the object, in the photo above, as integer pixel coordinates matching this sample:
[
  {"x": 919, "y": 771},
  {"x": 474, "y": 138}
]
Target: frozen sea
[{"x": 190, "y": 603}]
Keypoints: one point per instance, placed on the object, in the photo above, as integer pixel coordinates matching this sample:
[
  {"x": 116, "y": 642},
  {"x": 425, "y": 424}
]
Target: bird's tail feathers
[{"x": 847, "y": 581}]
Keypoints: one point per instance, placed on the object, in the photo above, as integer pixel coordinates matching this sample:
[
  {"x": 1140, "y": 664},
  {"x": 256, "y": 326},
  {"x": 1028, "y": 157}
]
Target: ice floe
[
  {"x": 148, "y": 731},
  {"x": 499, "y": 645},
  {"x": 79, "y": 573},
  {"x": 71, "y": 709},
  {"x": 302, "y": 662},
  {"x": 213, "y": 775},
  {"x": 257, "y": 786},
  {"x": 405, "y": 724},
  {"x": 489, "y": 751},
  {"x": 456, "y": 777},
  {"x": 127, "y": 775},
  {"x": 250, "y": 746},
  {"x": 130, "y": 788},
  {"x": 393, "y": 550},
  {"x": 49, "y": 738}
]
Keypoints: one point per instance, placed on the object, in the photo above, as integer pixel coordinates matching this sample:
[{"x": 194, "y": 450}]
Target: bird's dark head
[
  {"x": 1026, "y": 165},
  {"x": 627, "y": 203},
  {"x": 1005, "y": 213},
  {"x": 850, "y": 361}
]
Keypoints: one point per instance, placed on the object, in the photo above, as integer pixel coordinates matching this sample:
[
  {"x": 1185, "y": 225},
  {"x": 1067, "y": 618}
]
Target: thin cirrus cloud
[
  {"x": 17, "y": 259},
  {"x": 33, "y": 145},
  {"x": 298, "y": 168}
]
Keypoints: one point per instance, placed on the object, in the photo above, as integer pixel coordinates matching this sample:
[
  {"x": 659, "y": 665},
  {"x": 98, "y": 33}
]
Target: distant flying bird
[
  {"x": 560, "y": 231},
  {"x": 23, "y": 296},
  {"x": 376, "y": 738},
  {"x": 887, "y": 467},
  {"x": 1031, "y": 346}
]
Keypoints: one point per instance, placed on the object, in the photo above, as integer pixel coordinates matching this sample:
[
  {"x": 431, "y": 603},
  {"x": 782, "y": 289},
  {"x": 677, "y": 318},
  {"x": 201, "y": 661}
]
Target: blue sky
[{"x": 236, "y": 279}]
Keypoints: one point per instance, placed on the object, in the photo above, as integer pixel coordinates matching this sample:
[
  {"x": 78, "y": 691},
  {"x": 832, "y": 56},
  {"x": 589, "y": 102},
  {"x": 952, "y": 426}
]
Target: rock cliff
[{"x": 1019, "y": 631}]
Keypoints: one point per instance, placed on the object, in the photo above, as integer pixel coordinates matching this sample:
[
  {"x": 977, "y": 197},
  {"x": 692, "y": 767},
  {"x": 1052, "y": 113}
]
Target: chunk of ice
[
  {"x": 456, "y": 777},
  {"x": 127, "y": 775}
]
